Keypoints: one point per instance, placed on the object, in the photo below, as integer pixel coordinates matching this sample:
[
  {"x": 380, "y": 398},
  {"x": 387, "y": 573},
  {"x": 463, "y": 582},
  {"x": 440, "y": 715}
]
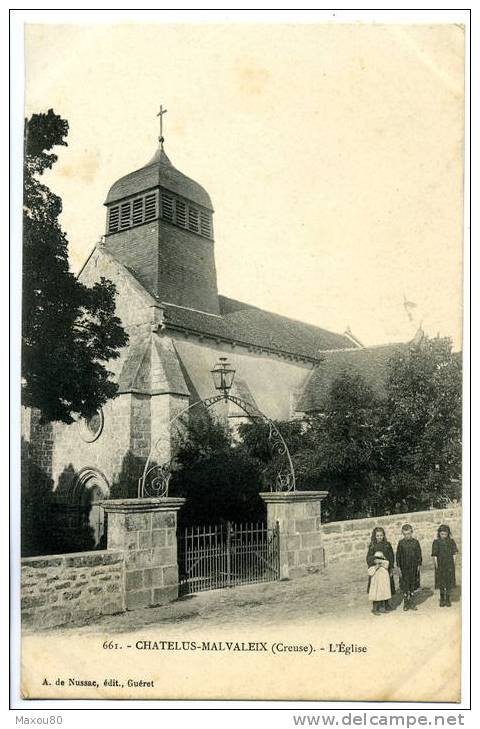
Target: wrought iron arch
[{"x": 155, "y": 478}]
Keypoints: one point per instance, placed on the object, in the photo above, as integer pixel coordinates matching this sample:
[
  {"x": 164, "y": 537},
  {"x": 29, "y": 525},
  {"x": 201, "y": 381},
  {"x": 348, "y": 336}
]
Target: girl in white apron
[{"x": 380, "y": 590}]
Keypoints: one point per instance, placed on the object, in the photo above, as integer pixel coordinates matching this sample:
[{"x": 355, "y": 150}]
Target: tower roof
[{"x": 159, "y": 172}]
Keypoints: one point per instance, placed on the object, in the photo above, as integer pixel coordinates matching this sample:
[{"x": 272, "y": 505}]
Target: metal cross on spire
[{"x": 160, "y": 114}]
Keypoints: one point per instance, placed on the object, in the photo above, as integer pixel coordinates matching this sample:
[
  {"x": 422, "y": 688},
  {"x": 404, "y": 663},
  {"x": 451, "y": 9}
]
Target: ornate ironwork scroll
[{"x": 155, "y": 478}]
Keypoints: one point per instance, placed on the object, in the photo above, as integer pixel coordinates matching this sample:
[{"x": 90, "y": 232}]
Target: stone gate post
[
  {"x": 298, "y": 515},
  {"x": 146, "y": 531}
]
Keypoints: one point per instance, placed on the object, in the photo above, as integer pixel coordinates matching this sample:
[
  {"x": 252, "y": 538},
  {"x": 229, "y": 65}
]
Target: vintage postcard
[{"x": 242, "y": 361}]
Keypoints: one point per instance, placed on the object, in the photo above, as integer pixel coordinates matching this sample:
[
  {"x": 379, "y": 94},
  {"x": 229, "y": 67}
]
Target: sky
[{"x": 333, "y": 155}]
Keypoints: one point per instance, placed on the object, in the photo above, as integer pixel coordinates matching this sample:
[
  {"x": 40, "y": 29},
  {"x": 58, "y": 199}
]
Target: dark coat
[
  {"x": 409, "y": 559},
  {"x": 387, "y": 550},
  {"x": 443, "y": 550}
]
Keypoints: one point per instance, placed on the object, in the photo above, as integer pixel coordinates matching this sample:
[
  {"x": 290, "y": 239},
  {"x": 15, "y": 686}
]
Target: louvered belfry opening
[
  {"x": 181, "y": 213},
  {"x": 167, "y": 207},
  {"x": 138, "y": 211},
  {"x": 113, "y": 219},
  {"x": 162, "y": 205}
]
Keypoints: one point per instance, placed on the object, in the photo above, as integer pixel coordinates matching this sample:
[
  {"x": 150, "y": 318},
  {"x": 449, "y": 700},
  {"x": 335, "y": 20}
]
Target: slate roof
[
  {"x": 255, "y": 327},
  {"x": 370, "y": 362},
  {"x": 152, "y": 367},
  {"x": 159, "y": 172},
  {"x": 247, "y": 325}
]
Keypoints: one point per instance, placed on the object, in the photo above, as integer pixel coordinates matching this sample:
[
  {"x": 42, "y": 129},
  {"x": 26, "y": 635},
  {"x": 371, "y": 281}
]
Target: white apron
[{"x": 380, "y": 585}]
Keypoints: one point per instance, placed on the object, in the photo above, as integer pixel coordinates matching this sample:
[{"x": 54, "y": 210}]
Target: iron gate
[{"x": 228, "y": 554}]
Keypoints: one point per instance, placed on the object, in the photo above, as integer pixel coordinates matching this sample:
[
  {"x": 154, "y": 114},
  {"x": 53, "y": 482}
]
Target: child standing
[
  {"x": 409, "y": 560},
  {"x": 380, "y": 545},
  {"x": 379, "y": 584},
  {"x": 444, "y": 550}
]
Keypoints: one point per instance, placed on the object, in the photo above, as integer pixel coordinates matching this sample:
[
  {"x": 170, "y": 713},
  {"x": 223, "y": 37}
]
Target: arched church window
[{"x": 91, "y": 428}]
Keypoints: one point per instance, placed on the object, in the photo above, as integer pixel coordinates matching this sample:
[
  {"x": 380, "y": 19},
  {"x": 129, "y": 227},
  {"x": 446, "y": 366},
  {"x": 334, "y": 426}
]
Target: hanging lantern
[{"x": 223, "y": 374}]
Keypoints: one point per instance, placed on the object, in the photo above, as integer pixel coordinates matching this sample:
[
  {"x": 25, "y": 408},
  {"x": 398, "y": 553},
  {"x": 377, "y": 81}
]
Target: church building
[{"x": 159, "y": 251}]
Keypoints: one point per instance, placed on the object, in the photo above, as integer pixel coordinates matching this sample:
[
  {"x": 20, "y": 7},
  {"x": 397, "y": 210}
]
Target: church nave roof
[{"x": 255, "y": 327}]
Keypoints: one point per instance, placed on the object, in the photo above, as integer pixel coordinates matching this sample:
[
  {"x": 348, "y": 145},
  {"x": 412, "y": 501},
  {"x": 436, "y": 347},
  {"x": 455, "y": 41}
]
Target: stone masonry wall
[
  {"x": 71, "y": 587},
  {"x": 140, "y": 425},
  {"x": 349, "y": 540},
  {"x": 148, "y": 538},
  {"x": 41, "y": 439},
  {"x": 186, "y": 269},
  {"x": 57, "y": 449},
  {"x": 137, "y": 248},
  {"x": 133, "y": 305},
  {"x": 164, "y": 409},
  {"x": 106, "y": 454},
  {"x": 174, "y": 264}
]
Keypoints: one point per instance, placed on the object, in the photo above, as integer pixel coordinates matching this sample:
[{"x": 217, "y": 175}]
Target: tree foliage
[
  {"x": 380, "y": 455},
  {"x": 424, "y": 411},
  {"x": 69, "y": 331},
  {"x": 374, "y": 455},
  {"x": 336, "y": 451},
  {"x": 219, "y": 480}
]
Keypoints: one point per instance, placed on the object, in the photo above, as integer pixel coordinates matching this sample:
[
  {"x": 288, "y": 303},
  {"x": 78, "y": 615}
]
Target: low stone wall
[
  {"x": 76, "y": 587},
  {"x": 344, "y": 540},
  {"x": 139, "y": 568}
]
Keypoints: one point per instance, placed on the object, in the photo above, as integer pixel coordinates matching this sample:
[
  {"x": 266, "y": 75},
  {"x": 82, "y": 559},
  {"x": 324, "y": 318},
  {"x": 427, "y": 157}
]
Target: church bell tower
[{"x": 159, "y": 225}]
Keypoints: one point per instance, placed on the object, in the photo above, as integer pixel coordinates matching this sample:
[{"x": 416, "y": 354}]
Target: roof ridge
[
  {"x": 344, "y": 349},
  {"x": 190, "y": 308},
  {"x": 367, "y": 348},
  {"x": 386, "y": 344}
]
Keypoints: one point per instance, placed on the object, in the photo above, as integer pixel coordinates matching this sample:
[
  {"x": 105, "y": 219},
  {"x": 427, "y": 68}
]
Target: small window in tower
[
  {"x": 205, "y": 224},
  {"x": 167, "y": 207},
  {"x": 113, "y": 218},
  {"x": 193, "y": 219},
  {"x": 137, "y": 215},
  {"x": 181, "y": 211},
  {"x": 125, "y": 214},
  {"x": 150, "y": 206}
]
